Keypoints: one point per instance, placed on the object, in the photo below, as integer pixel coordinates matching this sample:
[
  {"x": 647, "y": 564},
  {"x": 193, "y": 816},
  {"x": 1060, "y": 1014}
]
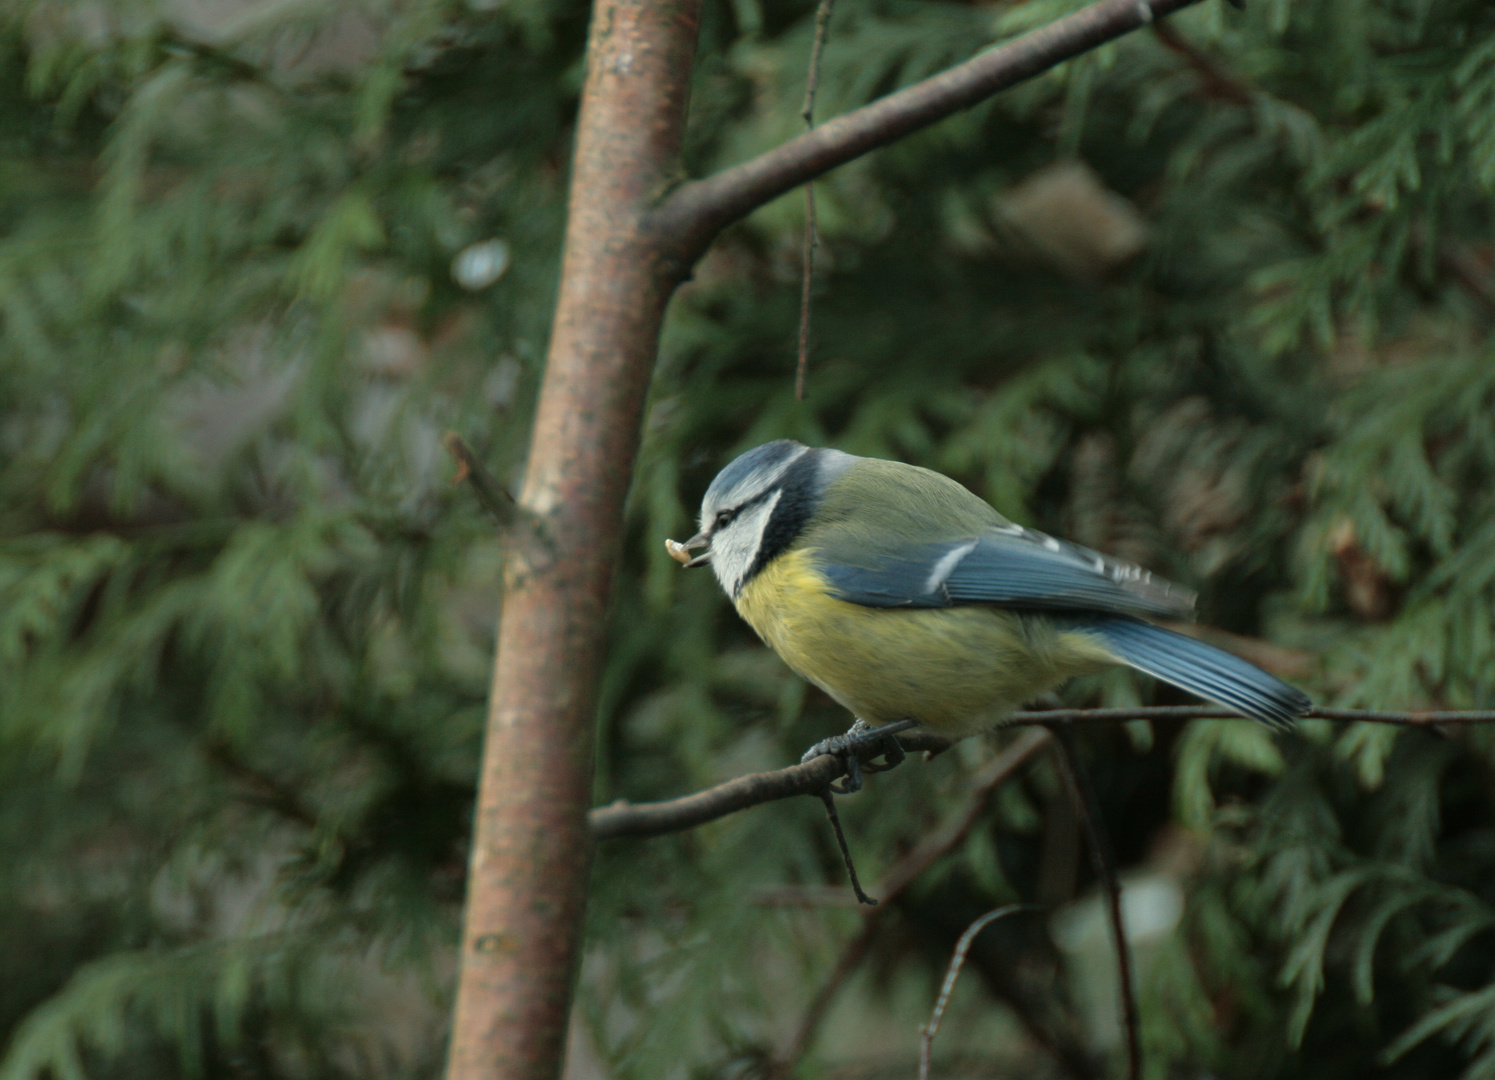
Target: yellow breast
[{"x": 953, "y": 669}]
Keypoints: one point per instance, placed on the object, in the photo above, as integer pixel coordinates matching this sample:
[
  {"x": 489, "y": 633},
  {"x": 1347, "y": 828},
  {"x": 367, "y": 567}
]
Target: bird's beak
[{"x": 681, "y": 552}]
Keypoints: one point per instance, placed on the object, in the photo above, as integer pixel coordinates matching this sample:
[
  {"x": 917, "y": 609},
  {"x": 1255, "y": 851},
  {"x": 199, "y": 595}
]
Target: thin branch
[
  {"x": 957, "y": 961},
  {"x": 649, "y": 819},
  {"x": 935, "y": 846},
  {"x": 1217, "y": 81},
  {"x": 622, "y": 818},
  {"x": 812, "y": 84},
  {"x": 490, "y": 493},
  {"x": 829, "y": 800},
  {"x": 692, "y": 214},
  {"x": 1082, "y": 791},
  {"x": 992, "y": 776},
  {"x": 811, "y": 241},
  {"x": 812, "y": 77}
]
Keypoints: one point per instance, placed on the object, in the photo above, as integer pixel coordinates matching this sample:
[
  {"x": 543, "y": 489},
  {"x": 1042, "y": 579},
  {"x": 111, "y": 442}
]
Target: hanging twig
[
  {"x": 802, "y": 365},
  {"x": 851, "y": 871},
  {"x": 1087, "y": 806},
  {"x": 957, "y": 961},
  {"x": 693, "y": 213},
  {"x": 950, "y": 836},
  {"x": 812, "y": 84}
]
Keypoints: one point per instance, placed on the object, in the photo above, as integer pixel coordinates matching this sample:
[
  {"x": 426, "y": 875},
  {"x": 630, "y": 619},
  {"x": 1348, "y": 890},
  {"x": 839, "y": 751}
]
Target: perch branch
[
  {"x": 623, "y": 818},
  {"x": 649, "y": 819},
  {"x": 693, "y": 214}
]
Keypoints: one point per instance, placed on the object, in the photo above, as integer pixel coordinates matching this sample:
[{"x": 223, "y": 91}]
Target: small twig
[
  {"x": 807, "y": 110},
  {"x": 830, "y": 812},
  {"x": 803, "y": 363},
  {"x": 1217, "y": 81},
  {"x": 957, "y": 961},
  {"x": 858, "y": 757},
  {"x": 1104, "y": 861},
  {"x": 996, "y": 773},
  {"x": 491, "y": 494},
  {"x": 812, "y": 77},
  {"x": 992, "y": 776}
]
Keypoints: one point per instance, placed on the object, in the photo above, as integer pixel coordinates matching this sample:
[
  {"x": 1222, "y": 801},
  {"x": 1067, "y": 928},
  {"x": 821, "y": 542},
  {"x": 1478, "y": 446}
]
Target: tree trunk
[{"x": 531, "y": 851}]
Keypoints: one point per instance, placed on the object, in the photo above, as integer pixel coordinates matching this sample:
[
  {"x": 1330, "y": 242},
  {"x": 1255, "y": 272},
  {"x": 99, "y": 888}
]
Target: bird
[{"x": 910, "y": 600}]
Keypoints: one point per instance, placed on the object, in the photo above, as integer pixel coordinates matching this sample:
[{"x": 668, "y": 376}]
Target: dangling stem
[
  {"x": 812, "y": 84},
  {"x": 1104, "y": 862}
]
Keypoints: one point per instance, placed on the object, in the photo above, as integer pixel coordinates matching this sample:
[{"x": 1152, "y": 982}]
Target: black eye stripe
[{"x": 726, "y": 517}]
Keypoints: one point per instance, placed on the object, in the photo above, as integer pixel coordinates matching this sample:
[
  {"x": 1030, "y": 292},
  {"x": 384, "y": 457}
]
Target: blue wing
[{"x": 1008, "y": 566}]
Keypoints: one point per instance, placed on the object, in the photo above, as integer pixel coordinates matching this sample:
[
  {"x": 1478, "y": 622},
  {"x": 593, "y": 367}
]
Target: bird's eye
[{"x": 724, "y": 518}]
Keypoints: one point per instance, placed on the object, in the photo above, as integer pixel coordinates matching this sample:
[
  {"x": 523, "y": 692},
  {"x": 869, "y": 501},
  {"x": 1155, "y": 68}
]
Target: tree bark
[{"x": 531, "y": 850}]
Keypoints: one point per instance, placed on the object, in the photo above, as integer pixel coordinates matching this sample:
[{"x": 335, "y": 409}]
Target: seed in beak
[{"x": 681, "y": 552}]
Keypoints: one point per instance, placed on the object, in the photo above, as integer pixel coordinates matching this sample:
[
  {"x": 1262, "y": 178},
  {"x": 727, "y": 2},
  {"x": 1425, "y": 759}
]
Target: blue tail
[{"x": 1201, "y": 669}]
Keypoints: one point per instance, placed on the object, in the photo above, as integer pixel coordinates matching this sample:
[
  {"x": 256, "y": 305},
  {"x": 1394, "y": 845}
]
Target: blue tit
[{"x": 904, "y": 596}]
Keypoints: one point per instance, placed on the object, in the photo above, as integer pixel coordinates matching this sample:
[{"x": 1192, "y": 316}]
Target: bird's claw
[{"x": 858, "y": 748}]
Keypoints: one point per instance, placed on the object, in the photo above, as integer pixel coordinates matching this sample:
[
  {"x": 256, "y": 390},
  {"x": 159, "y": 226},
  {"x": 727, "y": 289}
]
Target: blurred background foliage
[{"x": 1216, "y": 298}]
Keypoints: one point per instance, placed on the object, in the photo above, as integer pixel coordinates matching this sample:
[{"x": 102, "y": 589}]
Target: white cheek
[{"x": 735, "y": 548}]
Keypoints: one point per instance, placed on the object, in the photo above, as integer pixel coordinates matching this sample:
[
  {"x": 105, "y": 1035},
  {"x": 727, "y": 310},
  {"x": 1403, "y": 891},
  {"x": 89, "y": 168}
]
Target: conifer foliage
[{"x": 1217, "y": 298}]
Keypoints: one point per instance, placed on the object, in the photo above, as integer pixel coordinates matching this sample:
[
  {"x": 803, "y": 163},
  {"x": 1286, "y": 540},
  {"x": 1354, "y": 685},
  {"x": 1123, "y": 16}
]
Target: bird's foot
[{"x": 858, "y": 750}]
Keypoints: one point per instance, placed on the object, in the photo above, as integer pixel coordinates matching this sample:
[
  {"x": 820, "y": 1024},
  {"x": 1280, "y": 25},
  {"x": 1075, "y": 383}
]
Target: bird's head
[{"x": 740, "y": 513}]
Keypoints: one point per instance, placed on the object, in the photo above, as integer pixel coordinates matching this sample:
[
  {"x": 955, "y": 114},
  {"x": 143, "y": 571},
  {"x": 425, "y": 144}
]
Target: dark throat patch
[{"x": 798, "y": 495}]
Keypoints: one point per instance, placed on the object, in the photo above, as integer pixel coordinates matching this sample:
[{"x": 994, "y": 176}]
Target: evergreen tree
[{"x": 1217, "y": 299}]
